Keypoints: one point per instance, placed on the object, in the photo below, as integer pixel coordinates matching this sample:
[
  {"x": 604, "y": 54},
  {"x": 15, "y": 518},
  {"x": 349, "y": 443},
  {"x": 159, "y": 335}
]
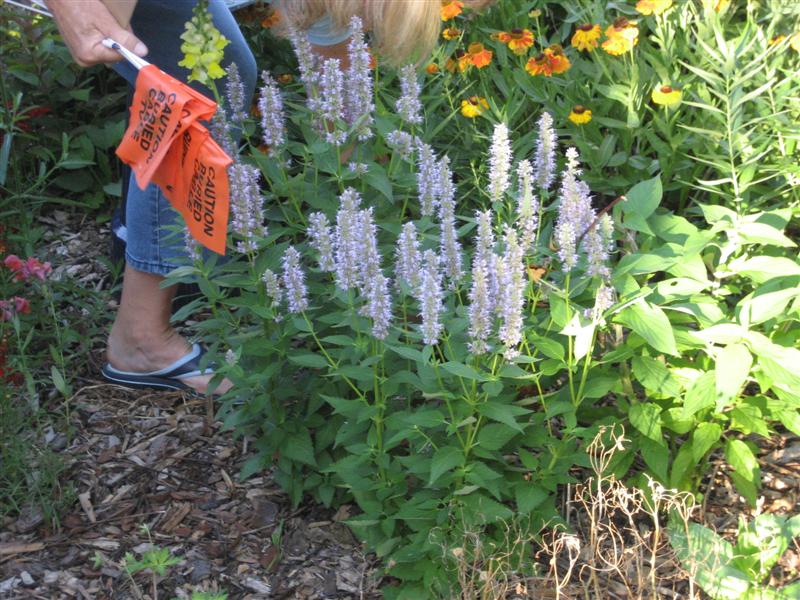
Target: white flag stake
[{"x": 136, "y": 61}]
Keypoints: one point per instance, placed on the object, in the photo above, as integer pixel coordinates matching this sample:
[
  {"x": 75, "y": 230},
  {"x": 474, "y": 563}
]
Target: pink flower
[
  {"x": 31, "y": 267},
  {"x": 37, "y": 268},
  {"x": 16, "y": 305}
]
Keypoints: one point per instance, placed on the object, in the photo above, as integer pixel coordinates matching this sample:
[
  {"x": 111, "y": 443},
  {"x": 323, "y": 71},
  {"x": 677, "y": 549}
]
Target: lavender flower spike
[
  {"x": 321, "y": 239},
  {"x": 427, "y": 179},
  {"x": 409, "y": 259},
  {"x": 545, "y": 162},
  {"x": 575, "y": 212},
  {"x": 430, "y": 298},
  {"x": 527, "y": 205},
  {"x": 247, "y": 219},
  {"x": 499, "y": 163},
  {"x": 480, "y": 308},
  {"x": 511, "y": 301},
  {"x": 306, "y": 60},
  {"x": 401, "y": 142},
  {"x": 484, "y": 250},
  {"x": 408, "y": 105},
  {"x": 379, "y": 305},
  {"x": 273, "y": 122},
  {"x": 274, "y": 290},
  {"x": 234, "y": 94},
  {"x": 348, "y": 240},
  {"x": 329, "y": 106},
  {"x": 360, "y": 103},
  {"x": 294, "y": 281},
  {"x": 450, "y": 248}
]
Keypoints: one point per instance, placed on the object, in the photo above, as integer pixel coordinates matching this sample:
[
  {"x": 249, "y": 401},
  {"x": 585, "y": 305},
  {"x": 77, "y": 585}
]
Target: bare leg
[{"x": 142, "y": 338}]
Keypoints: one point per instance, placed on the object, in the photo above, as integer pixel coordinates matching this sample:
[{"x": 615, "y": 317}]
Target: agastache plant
[
  {"x": 270, "y": 105},
  {"x": 511, "y": 292},
  {"x": 329, "y": 107},
  {"x": 408, "y": 259},
  {"x": 373, "y": 283},
  {"x": 545, "y": 159},
  {"x": 401, "y": 142},
  {"x": 294, "y": 281},
  {"x": 360, "y": 104},
  {"x": 247, "y": 218},
  {"x": 450, "y": 248},
  {"x": 428, "y": 179},
  {"x": 349, "y": 245},
  {"x": 484, "y": 250},
  {"x": 273, "y": 288},
  {"x": 481, "y": 315},
  {"x": 575, "y": 213},
  {"x": 527, "y": 206},
  {"x": 408, "y": 105},
  {"x": 234, "y": 94},
  {"x": 320, "y": 236},
  {"x": 306, "y": 61},
  {"x": 499, "y": 163},
  {"x": 430, "y": 298}
]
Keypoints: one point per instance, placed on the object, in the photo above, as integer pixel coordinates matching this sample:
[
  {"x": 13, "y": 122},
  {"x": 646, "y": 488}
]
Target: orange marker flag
[
  {"x": 165, "y": 144},
  {"x": 194, "y": 178}
]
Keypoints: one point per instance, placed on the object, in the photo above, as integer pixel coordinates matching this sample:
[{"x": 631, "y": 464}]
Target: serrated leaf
[
  {"x": 298, "y": 446},
  {"x": 528, "y": 496},
  {"x": 504, "y": 413},
  {"x": 646, "y": 418},
  {"x": 732, "y": 368},
  {"x": 703, "y": 438},
  {"x": 445, "y": 459},
  {"x": 495, "y": 435},
  {"x": 461, "y": 370},
  {"x": 312, "y": 361},
  {"x": 650, "y": 322}
]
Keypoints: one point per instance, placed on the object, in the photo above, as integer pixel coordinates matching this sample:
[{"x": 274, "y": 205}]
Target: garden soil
[{"x": 153, "y": 469}]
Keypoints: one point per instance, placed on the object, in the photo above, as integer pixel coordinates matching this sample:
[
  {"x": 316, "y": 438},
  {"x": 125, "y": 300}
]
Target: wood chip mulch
[{"x": 149, "y": 470}]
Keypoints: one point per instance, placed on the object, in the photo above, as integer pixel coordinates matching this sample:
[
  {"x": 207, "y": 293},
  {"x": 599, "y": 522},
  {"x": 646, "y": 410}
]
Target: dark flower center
[
  {"x": 586, "y": 27},
  {"x": 665, "y": 89},
  {"x": 579, "y": 109}
]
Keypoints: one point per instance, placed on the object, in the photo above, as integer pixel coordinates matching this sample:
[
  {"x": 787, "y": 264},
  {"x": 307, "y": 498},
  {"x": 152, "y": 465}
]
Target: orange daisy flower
[
  {"x": 451, "y": 33},
  {"x": 622, "y": 36},
  {"x": 479, "y": 56},
  {"x": 432, "y": 69},
  {"x": 551, "y": 61},
  {"x": 473, "y": 106},
  {"x": 586, "y": 37},
  {"x": 517, "y": 40},
  {"x": 451, "y": 9}
]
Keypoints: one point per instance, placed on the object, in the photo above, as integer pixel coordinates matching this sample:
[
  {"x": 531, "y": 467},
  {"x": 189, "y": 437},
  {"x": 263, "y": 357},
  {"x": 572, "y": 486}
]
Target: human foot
[{"x": 165, "y": 361}]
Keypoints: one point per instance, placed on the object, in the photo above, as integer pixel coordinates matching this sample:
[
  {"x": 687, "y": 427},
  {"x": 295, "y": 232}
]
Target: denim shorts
[{"x": 153, "y": 229}]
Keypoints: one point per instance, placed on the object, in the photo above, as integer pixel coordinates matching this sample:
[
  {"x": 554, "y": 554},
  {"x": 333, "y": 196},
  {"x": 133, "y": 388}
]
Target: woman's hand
[{"x": 84, "y": 24}]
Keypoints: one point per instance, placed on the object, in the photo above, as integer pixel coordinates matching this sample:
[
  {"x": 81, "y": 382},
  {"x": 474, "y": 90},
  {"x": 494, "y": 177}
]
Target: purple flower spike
[
  {"x": 511, "y": 297},
  {"x": 499, "y": 163},
  {"x": 294, "y": 281},
  {"x": 545, "y": 163},
  {"x": 428, "y": 179},
  {"x": 360, "y": 101},
  {"x": 408, "y": 105},
  {"x": 247, "y": 218},
  {"x": 273, "y": 121},
  {"x": 321, "y": 238},
  {"x": 480, "y": 309},
  {"x": 450, "y": 248},
  {"x": 430, "y": 298},
  {"x": 409, "y": 259}
]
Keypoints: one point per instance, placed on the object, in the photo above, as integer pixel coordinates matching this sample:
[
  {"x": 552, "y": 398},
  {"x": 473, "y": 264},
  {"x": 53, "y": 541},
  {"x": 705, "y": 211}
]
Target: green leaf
[
  {"x": 655, "y": 377},
  {"x": 748, "y": 419},
  {"x": 651, "y": 323},
  {"x": 703, "y": 438},
  {"x": 495, "y": 435},
  {"x": 445, "y": 459},
  {"x": 646, "y": 418},
  {"x": 504, "y": 413},
  {"x": 732, "y": 368},
  {"x": 744, "y": 463},
  {"x": 528, "y": 496},
  {"x": 768, "y": 301},
  {"x": 708, "y": 556},
  {"x": 462, "y": 370},
  {"x": 643, "y": 198},
  {"x": 763, "y": 268},
  {"x": 408, "y": 352},
  {"x": 313, "y": 361},
  {"x": 480, "y": 509},
  {"x": 298, "y": 447},
  {"x": 701, "y": 395},
  {"x": 762, "y": 233}
]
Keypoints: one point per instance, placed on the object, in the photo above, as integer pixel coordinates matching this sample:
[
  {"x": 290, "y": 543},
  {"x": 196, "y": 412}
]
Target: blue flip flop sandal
[{"x": 166, "y": 378}]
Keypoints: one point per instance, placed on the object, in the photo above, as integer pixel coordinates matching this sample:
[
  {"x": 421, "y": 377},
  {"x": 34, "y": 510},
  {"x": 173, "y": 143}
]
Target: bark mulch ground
[{"x": 153, "y": 460}]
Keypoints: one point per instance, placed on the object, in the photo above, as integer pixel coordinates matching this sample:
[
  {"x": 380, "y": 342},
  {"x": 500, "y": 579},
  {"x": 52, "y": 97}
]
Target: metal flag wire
[{"x": 35, "y": 6}]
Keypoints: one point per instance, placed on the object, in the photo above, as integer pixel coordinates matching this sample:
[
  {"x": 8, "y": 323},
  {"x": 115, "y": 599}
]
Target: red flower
[{"x": 31, "y": 267}]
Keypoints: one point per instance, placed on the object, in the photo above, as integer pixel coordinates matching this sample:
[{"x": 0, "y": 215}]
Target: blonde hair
[{"x": 403, "y": 30}]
